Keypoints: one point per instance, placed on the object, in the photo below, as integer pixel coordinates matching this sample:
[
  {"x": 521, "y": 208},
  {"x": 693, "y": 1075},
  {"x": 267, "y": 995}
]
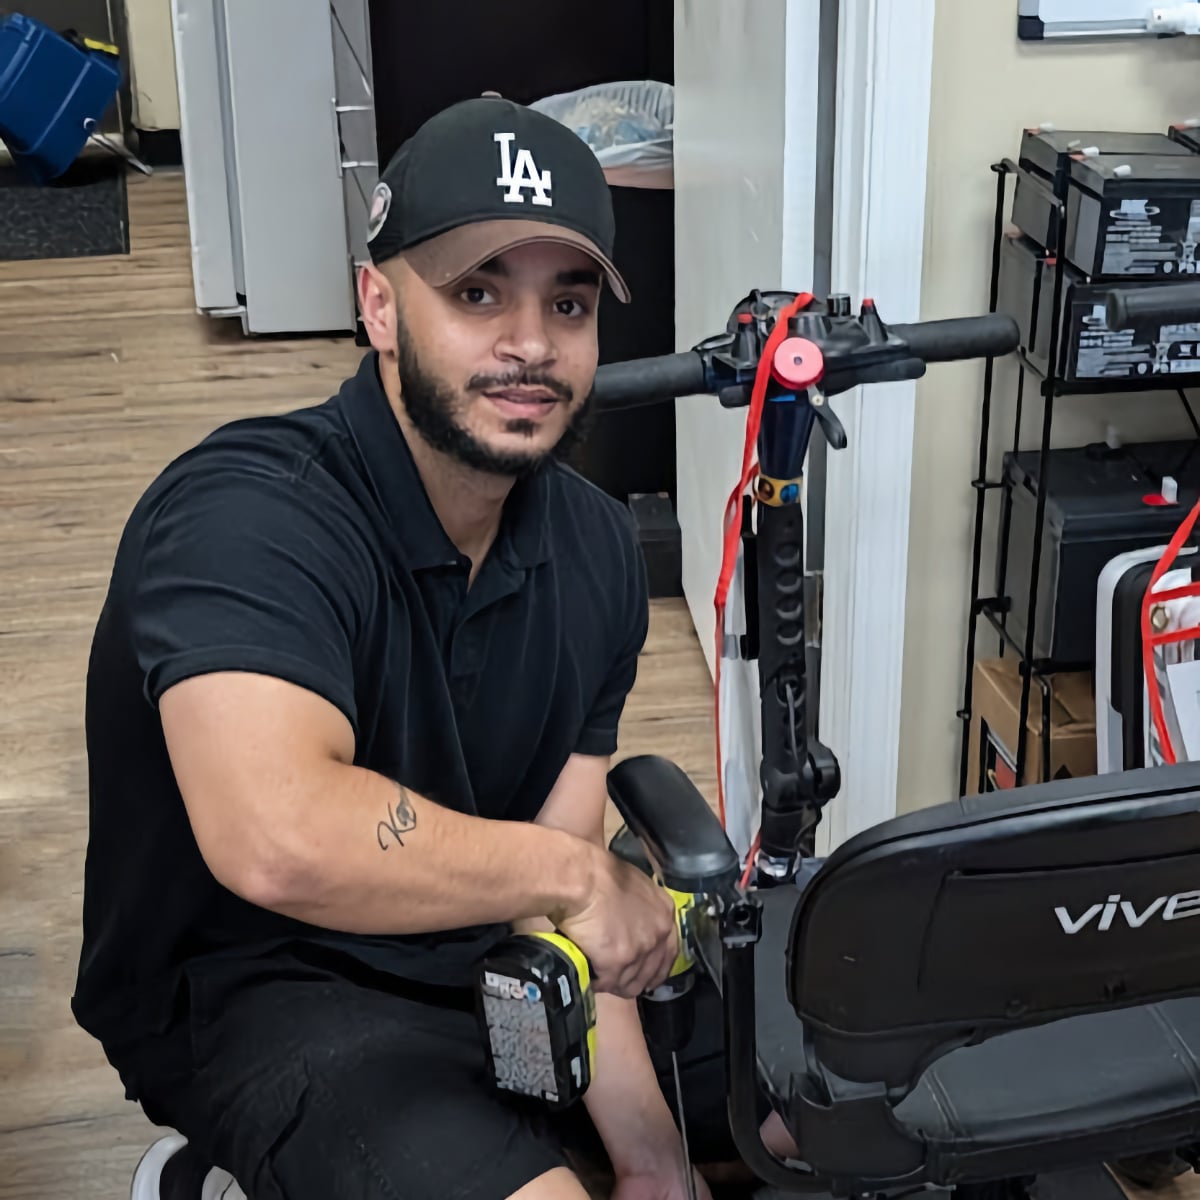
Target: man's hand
[
  {"x": 625, "y": 1100},
  {"x": 623, "y": 921},
  {"x": 666, "y": 1185},
  {"x": 627, "y": 928}
]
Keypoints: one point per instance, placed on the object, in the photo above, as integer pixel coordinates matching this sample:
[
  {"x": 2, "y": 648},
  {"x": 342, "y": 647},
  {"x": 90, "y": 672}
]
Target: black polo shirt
[{"x": 304, "y": 546}]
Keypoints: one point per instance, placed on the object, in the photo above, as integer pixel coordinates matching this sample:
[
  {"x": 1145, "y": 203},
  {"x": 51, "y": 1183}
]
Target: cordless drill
[{"x": 537, "y": 1010}]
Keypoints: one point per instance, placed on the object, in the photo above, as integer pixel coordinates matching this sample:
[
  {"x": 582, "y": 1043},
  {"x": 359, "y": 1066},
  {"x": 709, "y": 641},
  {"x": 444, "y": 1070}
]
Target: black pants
[{"x": 308, "y": 1083}]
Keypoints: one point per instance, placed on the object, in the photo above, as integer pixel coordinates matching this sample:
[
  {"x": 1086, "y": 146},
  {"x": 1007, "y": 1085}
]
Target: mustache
[{"x": 487, "y": 383}]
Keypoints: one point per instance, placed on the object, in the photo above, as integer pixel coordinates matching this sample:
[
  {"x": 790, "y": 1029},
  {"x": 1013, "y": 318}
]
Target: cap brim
[{"x": 448, "y": 257}]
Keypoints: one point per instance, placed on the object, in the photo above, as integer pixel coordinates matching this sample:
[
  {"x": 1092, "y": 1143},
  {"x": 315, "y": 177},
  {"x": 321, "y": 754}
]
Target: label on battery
[
  {"x": 1142, "y": 237},
  {"x": 521, "y": 1045},
  {"x": 1102, "y": 353}
]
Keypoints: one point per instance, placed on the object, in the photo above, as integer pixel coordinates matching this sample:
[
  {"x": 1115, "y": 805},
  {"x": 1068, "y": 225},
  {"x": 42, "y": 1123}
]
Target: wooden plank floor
[{"x": 106, "y": 373}]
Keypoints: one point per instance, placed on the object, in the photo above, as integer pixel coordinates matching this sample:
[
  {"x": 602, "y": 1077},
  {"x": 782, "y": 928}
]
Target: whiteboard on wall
[{"x": 1041, "y": 19}]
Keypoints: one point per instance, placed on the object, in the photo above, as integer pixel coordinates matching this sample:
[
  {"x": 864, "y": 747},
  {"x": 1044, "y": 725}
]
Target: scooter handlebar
[
  {"x": 1170, "y": 304},
  {"x": 960, "y": 338},
  {"x": 665, "y": 377}
]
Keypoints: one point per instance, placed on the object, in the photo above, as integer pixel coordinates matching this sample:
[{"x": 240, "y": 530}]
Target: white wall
[
  {"x": 745, "y": 88},
  {"x": 745, "y": 134},
  {"x": 152, "y": 59},
  {"x": 986, "y": 88}
]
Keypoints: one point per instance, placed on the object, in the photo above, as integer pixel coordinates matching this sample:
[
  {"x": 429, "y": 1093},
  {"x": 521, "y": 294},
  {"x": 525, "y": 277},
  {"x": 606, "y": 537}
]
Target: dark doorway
[{"x": 427, "y": 56}]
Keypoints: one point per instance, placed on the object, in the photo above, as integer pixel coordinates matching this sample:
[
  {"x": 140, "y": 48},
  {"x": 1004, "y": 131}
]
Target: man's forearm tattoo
[{"x": 400, "y": 820}]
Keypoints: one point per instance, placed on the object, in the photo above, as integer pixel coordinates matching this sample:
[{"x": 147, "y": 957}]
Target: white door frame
[{"x": 882, "y": 141}]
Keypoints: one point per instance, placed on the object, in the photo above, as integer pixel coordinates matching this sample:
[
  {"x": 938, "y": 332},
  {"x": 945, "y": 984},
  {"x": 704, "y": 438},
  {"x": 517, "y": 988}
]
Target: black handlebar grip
[
  {"x": 990, "y": 336},
  {"x": 645, "y": 379},
  {"x": 1172, "y": 304}
]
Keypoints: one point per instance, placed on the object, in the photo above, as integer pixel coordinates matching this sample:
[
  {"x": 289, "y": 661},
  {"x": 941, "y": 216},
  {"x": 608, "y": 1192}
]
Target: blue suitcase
[{"x": 52, "y": 92}]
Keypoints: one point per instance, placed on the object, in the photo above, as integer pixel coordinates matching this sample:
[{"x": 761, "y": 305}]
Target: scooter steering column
[{"x": 798, "y": 775}]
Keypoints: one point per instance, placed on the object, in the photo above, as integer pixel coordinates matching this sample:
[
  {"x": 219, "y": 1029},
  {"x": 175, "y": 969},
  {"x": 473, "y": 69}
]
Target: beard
[{"x": 435, "y": 409}]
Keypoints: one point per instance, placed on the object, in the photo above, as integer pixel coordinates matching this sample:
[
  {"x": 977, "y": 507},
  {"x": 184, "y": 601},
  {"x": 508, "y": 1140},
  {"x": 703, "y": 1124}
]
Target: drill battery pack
[{"x": 537, "y": 1012}]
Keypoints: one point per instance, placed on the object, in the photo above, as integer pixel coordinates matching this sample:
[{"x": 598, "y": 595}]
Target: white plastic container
[{"x": 629, "y": 126}]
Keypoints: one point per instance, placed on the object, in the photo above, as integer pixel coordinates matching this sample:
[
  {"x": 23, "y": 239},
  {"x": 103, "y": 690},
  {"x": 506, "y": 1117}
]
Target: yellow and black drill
[{"x": 537, "y": 1010}]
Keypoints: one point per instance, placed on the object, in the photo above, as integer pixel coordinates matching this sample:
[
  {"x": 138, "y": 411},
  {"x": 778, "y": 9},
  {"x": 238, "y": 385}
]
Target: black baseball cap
[{"x": 483, "y": 176}]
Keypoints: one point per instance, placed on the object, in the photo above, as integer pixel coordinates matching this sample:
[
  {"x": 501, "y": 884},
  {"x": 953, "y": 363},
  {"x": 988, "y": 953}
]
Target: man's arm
[
  {"x": 284, "y": 819},
  {"x": 246, "y": 594},
  {"x": 624, "y": 1101}
]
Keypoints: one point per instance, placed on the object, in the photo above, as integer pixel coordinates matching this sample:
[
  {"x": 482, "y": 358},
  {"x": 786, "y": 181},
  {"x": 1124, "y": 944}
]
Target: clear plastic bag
[{"x": 629, "y": 126}]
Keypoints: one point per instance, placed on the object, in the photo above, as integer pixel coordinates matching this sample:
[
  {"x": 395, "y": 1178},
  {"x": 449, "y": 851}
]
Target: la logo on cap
[{"x": 525, "y": 174}]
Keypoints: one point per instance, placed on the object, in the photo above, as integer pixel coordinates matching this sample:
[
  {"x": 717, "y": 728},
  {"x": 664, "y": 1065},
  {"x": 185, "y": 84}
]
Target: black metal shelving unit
[{"x": 1051, "y": 386}]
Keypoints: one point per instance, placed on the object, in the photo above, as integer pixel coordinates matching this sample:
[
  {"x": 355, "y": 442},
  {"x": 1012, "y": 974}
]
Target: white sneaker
[{"x": 215, "y": 1184}]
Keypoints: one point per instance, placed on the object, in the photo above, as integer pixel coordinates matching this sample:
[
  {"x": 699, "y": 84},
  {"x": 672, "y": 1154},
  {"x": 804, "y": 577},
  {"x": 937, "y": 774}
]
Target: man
[{"x": 351, "y": 705}]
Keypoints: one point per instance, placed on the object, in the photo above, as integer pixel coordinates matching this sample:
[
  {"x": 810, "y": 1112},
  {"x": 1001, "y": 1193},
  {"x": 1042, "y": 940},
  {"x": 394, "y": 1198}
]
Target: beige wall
[
  {"x": 986, "y": 87},
  {"x": 152, "y": 58}
]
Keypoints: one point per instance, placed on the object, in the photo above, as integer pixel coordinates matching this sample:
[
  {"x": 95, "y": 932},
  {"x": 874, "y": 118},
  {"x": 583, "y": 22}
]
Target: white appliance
[{"x": 278, "y": 132}]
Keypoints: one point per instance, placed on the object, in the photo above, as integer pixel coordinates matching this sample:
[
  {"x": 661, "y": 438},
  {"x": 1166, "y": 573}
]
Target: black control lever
[
  {"x": 831, "y": 427},
  {"x": 737, "y": 395}
]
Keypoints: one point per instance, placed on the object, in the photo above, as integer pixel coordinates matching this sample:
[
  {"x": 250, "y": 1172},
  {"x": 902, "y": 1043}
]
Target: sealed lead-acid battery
[
  {"x": 1088, "y": 350},
  {"x": 1100, "y": 501},
  {"x": 1045, "y": 167},
  {"x": 1050, "y": 153},
  {"x": 1134, "y": 215}
]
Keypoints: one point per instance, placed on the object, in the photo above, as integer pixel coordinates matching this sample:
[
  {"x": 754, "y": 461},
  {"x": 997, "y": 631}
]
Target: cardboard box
[{"x": 996, "y": 709}]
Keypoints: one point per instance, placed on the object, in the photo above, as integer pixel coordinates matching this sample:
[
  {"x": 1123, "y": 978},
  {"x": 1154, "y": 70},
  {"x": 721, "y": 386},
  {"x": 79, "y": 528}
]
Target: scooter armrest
[{"x": 680, "y": 832}]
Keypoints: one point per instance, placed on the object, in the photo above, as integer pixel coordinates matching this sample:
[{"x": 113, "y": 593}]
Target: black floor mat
[{"x": 82, "y": 213}]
